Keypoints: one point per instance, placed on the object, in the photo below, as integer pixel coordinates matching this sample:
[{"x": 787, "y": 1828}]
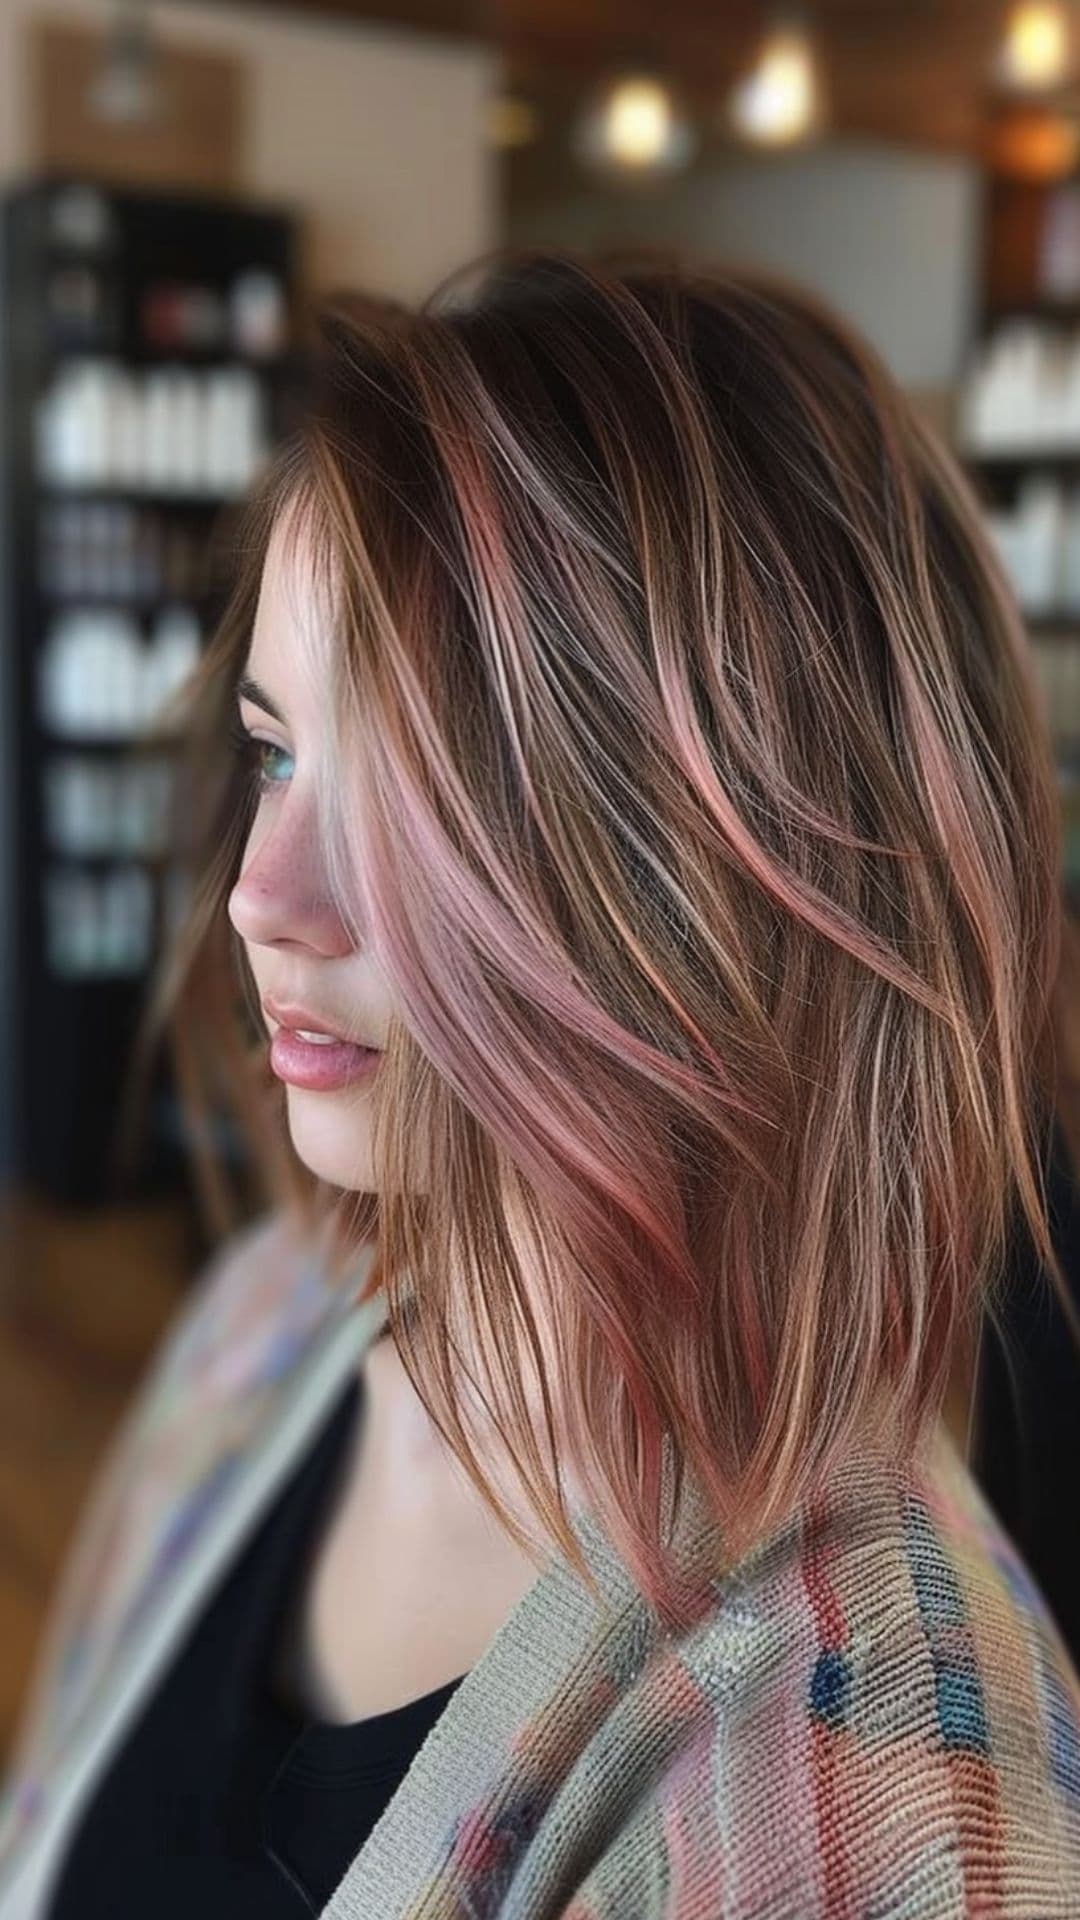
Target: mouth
[
  {"x": 320, "y": 1062},
  {"x": 313, "y": 1057}
]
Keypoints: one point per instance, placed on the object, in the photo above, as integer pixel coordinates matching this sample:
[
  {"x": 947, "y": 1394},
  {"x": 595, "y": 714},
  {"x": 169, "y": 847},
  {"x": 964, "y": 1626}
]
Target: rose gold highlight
[{"x": 685, "y": 764}]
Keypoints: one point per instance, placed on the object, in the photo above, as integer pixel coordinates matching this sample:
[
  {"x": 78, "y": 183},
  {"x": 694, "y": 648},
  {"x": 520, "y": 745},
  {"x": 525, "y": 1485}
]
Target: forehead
[{"x": 289, "y": 643}]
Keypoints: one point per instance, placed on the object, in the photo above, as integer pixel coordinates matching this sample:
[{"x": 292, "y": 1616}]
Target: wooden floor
[{"x": 83, "y": 1302}]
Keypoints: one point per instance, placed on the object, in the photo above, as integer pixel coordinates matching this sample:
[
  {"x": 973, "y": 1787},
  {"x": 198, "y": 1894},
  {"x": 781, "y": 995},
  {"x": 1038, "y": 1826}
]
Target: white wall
[
  {"x": 377, "y": 135},
  {"x": 887, "y": 234}
]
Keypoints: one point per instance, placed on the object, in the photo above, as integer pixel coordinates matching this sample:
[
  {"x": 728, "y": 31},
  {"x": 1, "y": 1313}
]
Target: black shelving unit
[
  {"x": 1013, "y": 213},
  {"x": 157, "y": 289},
  {"x": 1027, "y": 1407}
]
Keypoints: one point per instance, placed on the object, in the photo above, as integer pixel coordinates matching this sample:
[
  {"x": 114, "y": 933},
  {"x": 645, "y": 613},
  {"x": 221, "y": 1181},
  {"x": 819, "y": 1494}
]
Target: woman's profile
[{"x": 626, "y": 916}]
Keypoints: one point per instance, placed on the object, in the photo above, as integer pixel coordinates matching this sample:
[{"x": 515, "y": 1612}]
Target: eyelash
[{"x": 248, "y": 749}]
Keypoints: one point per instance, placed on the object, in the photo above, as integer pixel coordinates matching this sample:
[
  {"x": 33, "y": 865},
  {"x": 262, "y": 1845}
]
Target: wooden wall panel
[{"x": 195, "y": 140}]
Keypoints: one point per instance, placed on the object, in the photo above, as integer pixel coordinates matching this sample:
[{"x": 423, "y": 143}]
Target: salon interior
[{"x": 179, "y": 183}]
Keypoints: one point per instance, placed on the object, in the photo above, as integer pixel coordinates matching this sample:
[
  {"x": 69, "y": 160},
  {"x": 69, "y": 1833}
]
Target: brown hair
[{"x": 693, "y": 783}]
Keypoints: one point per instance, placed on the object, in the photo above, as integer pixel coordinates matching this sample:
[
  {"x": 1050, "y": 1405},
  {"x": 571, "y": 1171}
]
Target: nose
[{"x": 281, "y": 897}]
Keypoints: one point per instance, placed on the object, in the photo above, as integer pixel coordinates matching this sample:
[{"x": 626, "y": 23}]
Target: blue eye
[{"x": 255, "y": 755}]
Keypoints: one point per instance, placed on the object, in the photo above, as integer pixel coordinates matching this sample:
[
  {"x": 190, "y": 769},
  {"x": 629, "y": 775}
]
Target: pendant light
[
  {"x": 1037, "y": 46},
  {"x": 125, "y": 89},
  {"x": 635, "y": 124},
  {"x": 782, "y": 99}
]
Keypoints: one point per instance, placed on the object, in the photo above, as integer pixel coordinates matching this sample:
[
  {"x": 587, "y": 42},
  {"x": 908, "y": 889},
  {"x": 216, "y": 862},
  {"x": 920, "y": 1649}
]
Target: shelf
[
  {"x": 134, "y": 600},
  {"x": 1064, "y": 312},
  {"x": 1020, "y": 456},
  {"x": 154, "y": 859},
  {"x": 52, "y": 492},
  {"x": 199, "y": 359},
  {"x": 1053, "y": 626},
  {"x": 108, "y": 742},
  {"x": 75, "y": 1027},
  {"x": 117, "y": 982},
  {"x": 104, "y": 254}
]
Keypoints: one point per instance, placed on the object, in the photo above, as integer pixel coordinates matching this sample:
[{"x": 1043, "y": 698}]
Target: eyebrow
[{"x": 248, "y": 689}]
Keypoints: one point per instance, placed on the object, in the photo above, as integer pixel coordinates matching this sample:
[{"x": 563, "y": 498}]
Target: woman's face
[{"x": 300, "y": 952}]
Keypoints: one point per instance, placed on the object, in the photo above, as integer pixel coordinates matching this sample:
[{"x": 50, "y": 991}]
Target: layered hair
[{"x": 685, "y": 765}]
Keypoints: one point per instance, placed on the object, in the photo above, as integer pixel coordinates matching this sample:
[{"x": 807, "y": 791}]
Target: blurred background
[{"x": 177, "y": 183}]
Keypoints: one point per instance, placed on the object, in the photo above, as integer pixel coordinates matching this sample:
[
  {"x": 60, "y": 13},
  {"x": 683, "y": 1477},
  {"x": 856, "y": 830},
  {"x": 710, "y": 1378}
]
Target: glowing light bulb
[
  {"x": 1035, "y": 52},
  {"x": 635, "y": 125},
  {"x": 638, "y": 122},
  {"x": 779, "y": 101}
]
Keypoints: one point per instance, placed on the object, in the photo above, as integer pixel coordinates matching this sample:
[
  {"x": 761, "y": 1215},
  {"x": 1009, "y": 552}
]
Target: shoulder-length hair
[{"x": 686, "y": 766}]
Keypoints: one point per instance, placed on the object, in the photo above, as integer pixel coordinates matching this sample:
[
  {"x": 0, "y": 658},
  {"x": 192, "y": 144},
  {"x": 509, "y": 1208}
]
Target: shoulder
[
  {"x": 245, "y": 1317},
  {"x": 878, "y": 1716},
  {"x": 259, "y": 1261}
]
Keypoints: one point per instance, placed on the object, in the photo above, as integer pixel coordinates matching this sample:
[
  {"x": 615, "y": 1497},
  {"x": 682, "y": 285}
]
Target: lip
[
  {"x": 320, "y": 1067},
  {"x": 288, "y": 1013}
]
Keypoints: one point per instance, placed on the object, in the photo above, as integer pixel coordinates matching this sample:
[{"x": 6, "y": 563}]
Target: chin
[{"x": 331, "y": 1136}]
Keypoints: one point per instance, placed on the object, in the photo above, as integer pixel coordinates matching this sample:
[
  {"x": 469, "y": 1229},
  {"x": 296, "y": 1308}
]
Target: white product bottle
[
  {"x": 220, "y": 432},
  {"x": 110, "y": 926},
  {"x": 257, "y": 312},
  {"x": 977, "y": 423},
  {"x": 59, "y": 430},
  {"x": 174, "y": 651},
  {"x": 101, "y": 806},
  {"x": 154, "y": 793},
  {"x": 71, "y": 533},
  {"x": 62, "y": 818},
  {"x": 107, "y": 655},
  {"x": 159, "y": 433},
  {"x": 98, "y": 530},
  {"x": 130, "y": 642},
  {"x": 127, "y": 920},
  {"x": 126, "y": 437},
  {"x": 1070, "y": 554},
  {"x": 128, "y": 810},
  {"x": 94, "y": 414},
  {"x": 85, "y": 906},
  {"x": 123, "y": 579},
  {"x": 1042, "y": 513},
  {"x": 99, "y": 675},
  {"x": 246, "y": 429},
  {"x": 83, "y": 798},
  {"x": 1069, "y": 398},
  {"x": 115, "y": 922},
  {"x": 54, "y": 676},
  {"x": 189, "y": 458}
]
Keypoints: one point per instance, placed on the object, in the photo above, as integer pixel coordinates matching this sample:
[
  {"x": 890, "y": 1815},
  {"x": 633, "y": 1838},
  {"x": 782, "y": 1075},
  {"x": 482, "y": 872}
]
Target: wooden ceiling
[{"x": 917, "y": 71}]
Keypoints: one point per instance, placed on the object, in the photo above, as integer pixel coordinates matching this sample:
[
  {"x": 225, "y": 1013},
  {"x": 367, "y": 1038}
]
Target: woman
[{"x": 649, "y": 892}]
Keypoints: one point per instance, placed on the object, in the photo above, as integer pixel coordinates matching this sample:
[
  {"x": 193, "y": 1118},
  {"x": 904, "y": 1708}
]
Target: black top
[
  {"x": 223, "y": 1801},
  {"x": 1027, "y": 1427}
]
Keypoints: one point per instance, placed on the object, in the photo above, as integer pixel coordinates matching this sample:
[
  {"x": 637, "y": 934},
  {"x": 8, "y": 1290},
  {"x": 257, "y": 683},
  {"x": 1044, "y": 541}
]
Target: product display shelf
[
  {"x": 1018, "y": 433},
  {"x": 148, "y": 367}
]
